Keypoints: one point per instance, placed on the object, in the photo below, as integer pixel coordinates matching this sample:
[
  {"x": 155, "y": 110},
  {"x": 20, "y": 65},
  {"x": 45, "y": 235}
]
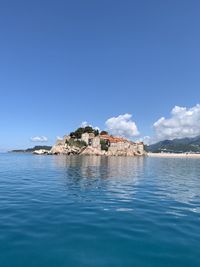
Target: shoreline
[{"x": 173, "y": 155}]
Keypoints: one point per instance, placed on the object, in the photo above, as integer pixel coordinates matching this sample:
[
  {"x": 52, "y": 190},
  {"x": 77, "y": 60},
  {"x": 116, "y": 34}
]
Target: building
[
  {"x": 115, "y": 145},
  {"x": 91, "y": 140},
  {"x": 121, "y": 146}
]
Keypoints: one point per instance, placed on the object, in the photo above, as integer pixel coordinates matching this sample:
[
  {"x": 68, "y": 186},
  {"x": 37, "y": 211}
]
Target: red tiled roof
[{"x": 112, "y": 139}]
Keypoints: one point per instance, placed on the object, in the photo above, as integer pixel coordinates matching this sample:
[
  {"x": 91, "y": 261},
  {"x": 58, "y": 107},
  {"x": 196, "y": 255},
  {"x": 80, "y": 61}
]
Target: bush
[
  {"x": 78, "y": 143},
  {"x": 104, "y": 145},
  {"x": 72, "y": 134},
  {"x": 79, "y": 132},
  {"x": 88, "y": 129},
  {"x": 104, "y": 133},
  {"x": 96, "y": 132}
]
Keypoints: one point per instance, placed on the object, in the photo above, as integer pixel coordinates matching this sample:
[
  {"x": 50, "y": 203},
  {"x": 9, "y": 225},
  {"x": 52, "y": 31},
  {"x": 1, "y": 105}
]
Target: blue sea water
[{"x": 99, "y": 211}]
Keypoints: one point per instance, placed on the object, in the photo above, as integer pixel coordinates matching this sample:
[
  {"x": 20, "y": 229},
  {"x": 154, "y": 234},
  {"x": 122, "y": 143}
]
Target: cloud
[
  {"x": 147, "y": 140},
  {"x": 122, "y": 126},
  {"x": 85, "y": 123},
  {"x": 184, "y": 122},
  {"x": 39, "y": 139}
]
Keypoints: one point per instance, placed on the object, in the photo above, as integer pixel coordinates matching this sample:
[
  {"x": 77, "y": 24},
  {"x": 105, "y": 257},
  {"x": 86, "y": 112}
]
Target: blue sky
[{"x": 65, "y": 62}]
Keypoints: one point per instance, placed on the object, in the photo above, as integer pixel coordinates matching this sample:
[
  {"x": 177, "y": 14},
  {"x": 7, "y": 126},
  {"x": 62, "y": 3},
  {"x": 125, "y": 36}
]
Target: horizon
[{"x": 131, "y": 68}]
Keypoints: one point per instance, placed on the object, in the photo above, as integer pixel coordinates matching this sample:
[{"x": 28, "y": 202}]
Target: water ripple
[{"x": 99, "y": 211}]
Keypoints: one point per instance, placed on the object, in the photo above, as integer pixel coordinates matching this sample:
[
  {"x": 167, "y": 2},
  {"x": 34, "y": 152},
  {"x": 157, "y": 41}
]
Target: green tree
[
  {"x": 78, "y": 143},
  {"x": 96, "y": 132},
  {"x": 72, "y": 134},
  {"x": 88, "y": 129},
  {"x": 104, "y": 145},
  {"x": 103, "y": 132},
  {"x": 79, "y": 132}
]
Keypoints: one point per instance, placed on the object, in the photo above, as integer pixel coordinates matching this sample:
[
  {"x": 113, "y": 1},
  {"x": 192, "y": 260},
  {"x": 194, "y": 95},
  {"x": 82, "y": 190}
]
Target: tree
[
  {"x": 88, "y": 129},
  {"x": 104, "y": 133},
  {"x": 72, "y": 134},
  {"x": 79, "y": 132},
  {"x": 96, "y": 132},
  {"x": 78, "y": 143},
  {"x": 104, "y": 145}
]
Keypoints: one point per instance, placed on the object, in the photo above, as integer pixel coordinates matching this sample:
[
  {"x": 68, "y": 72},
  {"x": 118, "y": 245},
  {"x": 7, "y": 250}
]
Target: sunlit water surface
[{"x": 99, "y": 211}]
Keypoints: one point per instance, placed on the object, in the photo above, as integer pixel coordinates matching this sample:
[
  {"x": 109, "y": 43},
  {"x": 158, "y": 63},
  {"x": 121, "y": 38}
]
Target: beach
[{"x": 173, "y": 155}]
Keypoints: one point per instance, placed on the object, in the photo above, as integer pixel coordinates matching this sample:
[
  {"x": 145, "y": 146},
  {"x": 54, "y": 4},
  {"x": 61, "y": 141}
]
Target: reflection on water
[
  {"x": 115, "y": 177},
  {"x": 103, "y": 167},
  {"x": 177, "y": 179}
]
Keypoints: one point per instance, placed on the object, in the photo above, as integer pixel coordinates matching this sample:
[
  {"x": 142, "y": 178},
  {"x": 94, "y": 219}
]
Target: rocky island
[{"x": 88, "y": 141}]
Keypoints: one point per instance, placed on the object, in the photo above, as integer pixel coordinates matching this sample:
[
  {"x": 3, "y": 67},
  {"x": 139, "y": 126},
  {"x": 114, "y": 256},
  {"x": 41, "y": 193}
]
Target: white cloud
[
  {"x": 122, "y": 126},
  {"x": 39, "y": 139},
  {"x": 146, "y": 140},
  {"x": 96, "y": 128},
  {"x": 85, "y": 123},
  {"x": 59, "y": 138},
  {"x": 184, "y": 122}
]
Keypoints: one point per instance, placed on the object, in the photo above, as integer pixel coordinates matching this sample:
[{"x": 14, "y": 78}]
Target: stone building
[
  {"x": 121, "y": 146},
  {"x": 91, "y": 140},
  {"x": 63, "y": 141}
]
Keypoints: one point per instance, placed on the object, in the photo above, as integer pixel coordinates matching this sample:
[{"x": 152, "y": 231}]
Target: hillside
[
  {"x": 176, "y": 145},
  {"x": 30, "y": 150}
]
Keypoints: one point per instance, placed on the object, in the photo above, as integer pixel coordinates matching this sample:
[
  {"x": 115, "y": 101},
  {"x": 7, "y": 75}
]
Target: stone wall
[
  {"x": 126, "y": 149},
  {"x": 96, "y": 142},
  {"x": 85, "y": 137}
]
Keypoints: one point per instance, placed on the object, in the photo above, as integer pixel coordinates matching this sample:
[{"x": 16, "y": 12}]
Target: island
[{"x": 89, "y": 141}]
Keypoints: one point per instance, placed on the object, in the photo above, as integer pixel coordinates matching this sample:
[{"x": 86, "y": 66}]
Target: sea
[{"x": 90, "y": 211}]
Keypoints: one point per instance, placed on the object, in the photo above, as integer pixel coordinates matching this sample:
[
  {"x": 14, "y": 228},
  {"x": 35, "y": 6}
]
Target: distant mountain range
[
  {"x": 176, "y": 145},
  {"x": 30, "y": 150}
]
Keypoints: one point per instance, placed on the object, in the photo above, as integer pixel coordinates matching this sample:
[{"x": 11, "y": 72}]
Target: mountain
[
  {"x": 30, "y": 150},
  {"x": 176, "y": 145}
]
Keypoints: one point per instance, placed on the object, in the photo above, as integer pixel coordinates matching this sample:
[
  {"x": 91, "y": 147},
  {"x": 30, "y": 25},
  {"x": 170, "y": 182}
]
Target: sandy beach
[{"x": 173, "y": 155}]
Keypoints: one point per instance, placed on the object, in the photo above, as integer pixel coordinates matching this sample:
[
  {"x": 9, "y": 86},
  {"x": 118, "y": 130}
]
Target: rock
[
  {"x": 65, "y": 149},
  {"x": 92, "y": 151},
  {"x": 40, "y": 152}
]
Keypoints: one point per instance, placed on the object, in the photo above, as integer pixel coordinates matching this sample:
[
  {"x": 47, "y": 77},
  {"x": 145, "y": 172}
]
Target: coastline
[{"x": 173, "y": 155}]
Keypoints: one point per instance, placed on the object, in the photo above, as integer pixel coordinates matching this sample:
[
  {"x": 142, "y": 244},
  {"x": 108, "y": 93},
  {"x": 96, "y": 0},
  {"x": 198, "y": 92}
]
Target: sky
[{"x": 132, "y": 67}]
